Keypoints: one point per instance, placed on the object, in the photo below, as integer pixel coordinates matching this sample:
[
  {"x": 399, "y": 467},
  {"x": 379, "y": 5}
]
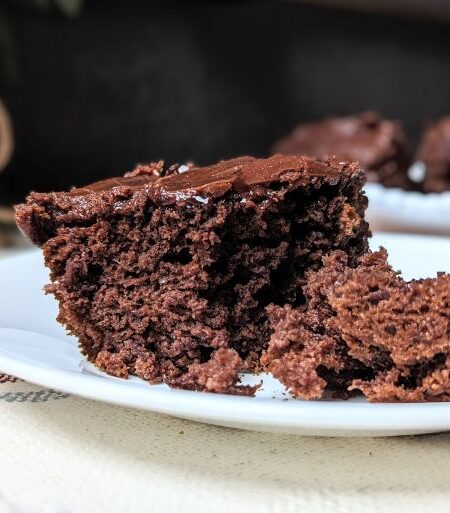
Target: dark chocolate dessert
[
  {"x": 166, "y": 273},
  {"x": 377, "y": 144},
  {"x": 365, "y": 329},
  {"x": 434, "y": 153}
]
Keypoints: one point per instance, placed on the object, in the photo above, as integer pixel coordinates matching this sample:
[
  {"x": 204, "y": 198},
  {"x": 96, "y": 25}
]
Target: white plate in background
[{"x": 405, "y": 211}]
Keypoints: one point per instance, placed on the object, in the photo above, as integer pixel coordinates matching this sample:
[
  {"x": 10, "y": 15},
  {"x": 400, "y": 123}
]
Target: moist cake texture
[
  {"x": 434, "y": 153},
  {"x": 166, "y": 273},
  {"x": 379, "y": 145},
  {"x": 364, "y": 329}
]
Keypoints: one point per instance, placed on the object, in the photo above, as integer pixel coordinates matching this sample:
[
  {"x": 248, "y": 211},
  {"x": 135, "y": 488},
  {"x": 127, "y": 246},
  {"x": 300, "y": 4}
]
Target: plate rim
[{"x": 292, "y": 415}]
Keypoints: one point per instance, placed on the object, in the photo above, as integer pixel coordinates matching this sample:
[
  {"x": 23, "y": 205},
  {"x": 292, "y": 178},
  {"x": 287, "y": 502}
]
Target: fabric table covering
[{"x": 64, "y": 454}]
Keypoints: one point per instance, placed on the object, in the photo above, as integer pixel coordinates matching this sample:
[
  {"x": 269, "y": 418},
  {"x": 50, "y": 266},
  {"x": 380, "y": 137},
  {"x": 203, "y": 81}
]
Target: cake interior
[{"x": 178, "y": 293}]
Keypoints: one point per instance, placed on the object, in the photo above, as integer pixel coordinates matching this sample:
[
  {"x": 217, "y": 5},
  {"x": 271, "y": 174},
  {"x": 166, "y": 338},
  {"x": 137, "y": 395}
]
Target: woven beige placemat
[{"x": 63, "y": 454}]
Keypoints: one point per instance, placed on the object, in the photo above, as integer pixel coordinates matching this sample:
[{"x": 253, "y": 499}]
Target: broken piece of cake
[
  {"x": 364, "y": 329},
  {"x": 166, "y": 273}
]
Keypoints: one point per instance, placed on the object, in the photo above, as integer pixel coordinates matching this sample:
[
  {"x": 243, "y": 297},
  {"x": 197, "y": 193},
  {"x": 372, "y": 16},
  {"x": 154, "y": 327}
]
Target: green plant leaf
[{"x": 70, "y": 8}]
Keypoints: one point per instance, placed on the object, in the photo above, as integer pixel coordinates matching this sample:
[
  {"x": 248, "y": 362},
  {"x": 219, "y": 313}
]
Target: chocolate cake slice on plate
[
  {"x": 378, "y": 144},
  {"x": 166, "y": 273}
]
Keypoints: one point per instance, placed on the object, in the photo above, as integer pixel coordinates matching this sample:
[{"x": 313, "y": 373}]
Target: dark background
[{"x": 90, "y": 96}]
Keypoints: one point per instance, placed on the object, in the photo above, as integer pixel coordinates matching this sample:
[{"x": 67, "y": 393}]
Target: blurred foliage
[
  {"x": 66, "y": 7},
  {"x": 8, "y": 49}
]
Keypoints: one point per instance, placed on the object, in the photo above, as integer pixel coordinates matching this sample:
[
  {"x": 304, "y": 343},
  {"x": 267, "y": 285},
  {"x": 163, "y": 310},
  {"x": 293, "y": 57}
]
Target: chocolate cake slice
[
  {"x": 434, "y": 153},
  {"x": 364, "y": 329},
  {"x": 166, "y": 273},
  {"x": 379, "y": 145}
]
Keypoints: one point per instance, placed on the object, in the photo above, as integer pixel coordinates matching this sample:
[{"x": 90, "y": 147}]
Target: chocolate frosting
[
  {"x": 434, "y": 152},
  {"x": 435, "y": 143},
  {"x": 177, "y": 184},
  {"x": 241, "y": 174},
  {"x": 143, "y": 174},
  {"x": 366, "y": 138}
]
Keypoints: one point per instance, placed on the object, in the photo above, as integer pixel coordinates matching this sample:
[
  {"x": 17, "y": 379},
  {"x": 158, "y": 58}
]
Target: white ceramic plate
[
  {"x": 398, "y": 210},
  {"x": 34, "y": 347}
]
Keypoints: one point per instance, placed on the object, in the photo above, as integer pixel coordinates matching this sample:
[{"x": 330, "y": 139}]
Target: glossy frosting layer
[
  {"x": 240, "y": 174},
  {"x": 177, "y": 185}
]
